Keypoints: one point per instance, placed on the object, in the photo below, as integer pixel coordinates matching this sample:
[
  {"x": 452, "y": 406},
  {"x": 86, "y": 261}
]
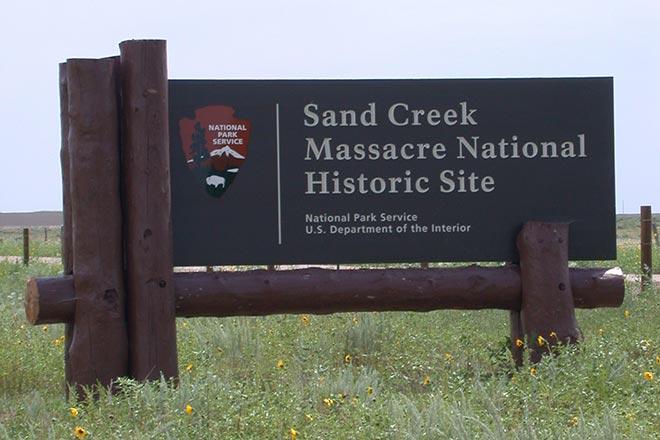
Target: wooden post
[
  {"x": 548, "y": 314},
  {"x": 26, "y": 246},
  {"x": 98, "y": 351},
  {"x": 65, "y": 232},
  {"x": 147, "y": 224},
  {"x": 424, "y": 265},
  {"x": 46, "y": 233},
  {"x": 646, "y": 241}
]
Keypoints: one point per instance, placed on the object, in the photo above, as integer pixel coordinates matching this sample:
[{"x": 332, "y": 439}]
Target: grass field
[
  {"x": 437, "y": 375},
  {"x": 11, "y": 242}
]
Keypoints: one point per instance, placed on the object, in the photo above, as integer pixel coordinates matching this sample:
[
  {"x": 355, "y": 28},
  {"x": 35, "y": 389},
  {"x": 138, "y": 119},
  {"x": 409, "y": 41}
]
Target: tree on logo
[{"x": 199, "y": 144}]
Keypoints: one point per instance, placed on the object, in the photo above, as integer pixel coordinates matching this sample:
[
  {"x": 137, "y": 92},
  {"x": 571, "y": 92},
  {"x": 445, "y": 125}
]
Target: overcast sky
[{"x": 331, "y": 39}]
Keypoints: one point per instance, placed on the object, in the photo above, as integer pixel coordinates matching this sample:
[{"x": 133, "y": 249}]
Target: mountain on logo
[
  {"x": 227, "y": 151},
  {"x": 215, "y": 146}
]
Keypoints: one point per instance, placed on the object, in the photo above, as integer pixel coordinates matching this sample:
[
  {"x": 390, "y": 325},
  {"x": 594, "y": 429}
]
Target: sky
[{"x": 331, "y": 39}]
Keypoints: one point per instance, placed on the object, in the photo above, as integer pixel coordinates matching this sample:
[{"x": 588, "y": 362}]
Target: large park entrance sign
[
  {"x": 347, "y": 171},
  {"x": 320, "y": 172}
]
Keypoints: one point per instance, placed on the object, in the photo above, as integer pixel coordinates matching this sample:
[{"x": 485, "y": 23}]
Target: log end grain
[{"x": 32, "y": 303}]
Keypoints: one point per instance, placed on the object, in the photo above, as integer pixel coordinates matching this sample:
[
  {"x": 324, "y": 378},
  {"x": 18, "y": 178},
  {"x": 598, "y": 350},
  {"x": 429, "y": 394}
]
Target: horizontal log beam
[{"x": 322, "y": 291}]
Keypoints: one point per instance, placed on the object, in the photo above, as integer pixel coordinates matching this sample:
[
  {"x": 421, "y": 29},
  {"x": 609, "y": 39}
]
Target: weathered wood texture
[
  {"x": 67, "y": 257},
  {"x": 320, "y": 291},
  {"x": 98, "y": 351},
  {"x": 547, "y": 307},
  {"x": 646, "y": 244},
  {"x": 65, "y": 235},
  {"x": 146, "y": 173},
  {"x": 26, "y": 246}
]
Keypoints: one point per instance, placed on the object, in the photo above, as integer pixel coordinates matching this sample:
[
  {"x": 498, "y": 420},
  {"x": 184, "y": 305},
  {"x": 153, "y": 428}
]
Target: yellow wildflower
[
  {"x": 189, "y": 368},
  {"x": 355, "y": 320},
  {"x": 426, "y": 381},
  {"x": 58, "y": 341},
  {"x": 532, "y": 371},
  {"x": 540, "y": 340},
  {"x": 626, "y": 313},
  {"x": 519, "y": 343},
  {"x": 553, "y": 335},
  {"x": 188, "y": 409},
  {"x": 347, "y": 359},
  {"x": 657, "y": 360},
  {"x": 280, "y": 364},
  {"x": 304, "y": 319},
  {"x": 573, "y": 421},
  {"x": 370, "y": 391},
  {"x": 309, "y": 417},
  {"x": 630, "y": 416},
  {"x": 328, "y": 402},
  {"x": 79, "y": 432},
  {"x": 44, "y": 328},
  {"x": 294, "y": 433},
  {"x": 601, "y": 331},
  {"x": 73, "y": 411},
  {"x": 648, "y": 376},
  {"x": 449, "y": 357}
]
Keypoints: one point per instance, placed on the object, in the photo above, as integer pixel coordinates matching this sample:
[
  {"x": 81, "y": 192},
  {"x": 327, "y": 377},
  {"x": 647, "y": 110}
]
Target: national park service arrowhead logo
[{"x": 215, "y": 145}]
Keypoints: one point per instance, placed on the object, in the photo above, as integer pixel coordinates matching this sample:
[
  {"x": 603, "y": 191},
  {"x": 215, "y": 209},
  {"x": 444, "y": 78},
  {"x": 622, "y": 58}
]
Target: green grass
[
  {"x": 230, "y": 377},
  {"x": 11, "y": 242}
]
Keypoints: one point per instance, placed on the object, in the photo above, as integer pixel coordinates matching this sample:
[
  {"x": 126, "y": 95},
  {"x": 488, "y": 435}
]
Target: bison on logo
[{"x": 215, "y": 145}]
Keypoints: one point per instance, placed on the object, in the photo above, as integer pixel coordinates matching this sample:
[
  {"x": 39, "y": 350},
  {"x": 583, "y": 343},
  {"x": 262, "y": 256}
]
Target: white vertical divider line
[{"x": 279, "y": 179}]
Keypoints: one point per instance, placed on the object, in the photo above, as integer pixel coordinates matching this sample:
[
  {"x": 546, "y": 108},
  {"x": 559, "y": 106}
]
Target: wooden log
[
  {"x": 65, "y": 235},
  {"x": 646, "y": 241},
  {"x": 50, "y": 300},
  {"x": 593, "y": 288},
  {"x": 146, "y": 167},
  {"x": 26, "y": 246},
  {"x": 322, "y": 291},
  {"x": 98, "y": 351},
  {"x": 548, "y": 315},
  {"x": 67, "y": 249}
]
